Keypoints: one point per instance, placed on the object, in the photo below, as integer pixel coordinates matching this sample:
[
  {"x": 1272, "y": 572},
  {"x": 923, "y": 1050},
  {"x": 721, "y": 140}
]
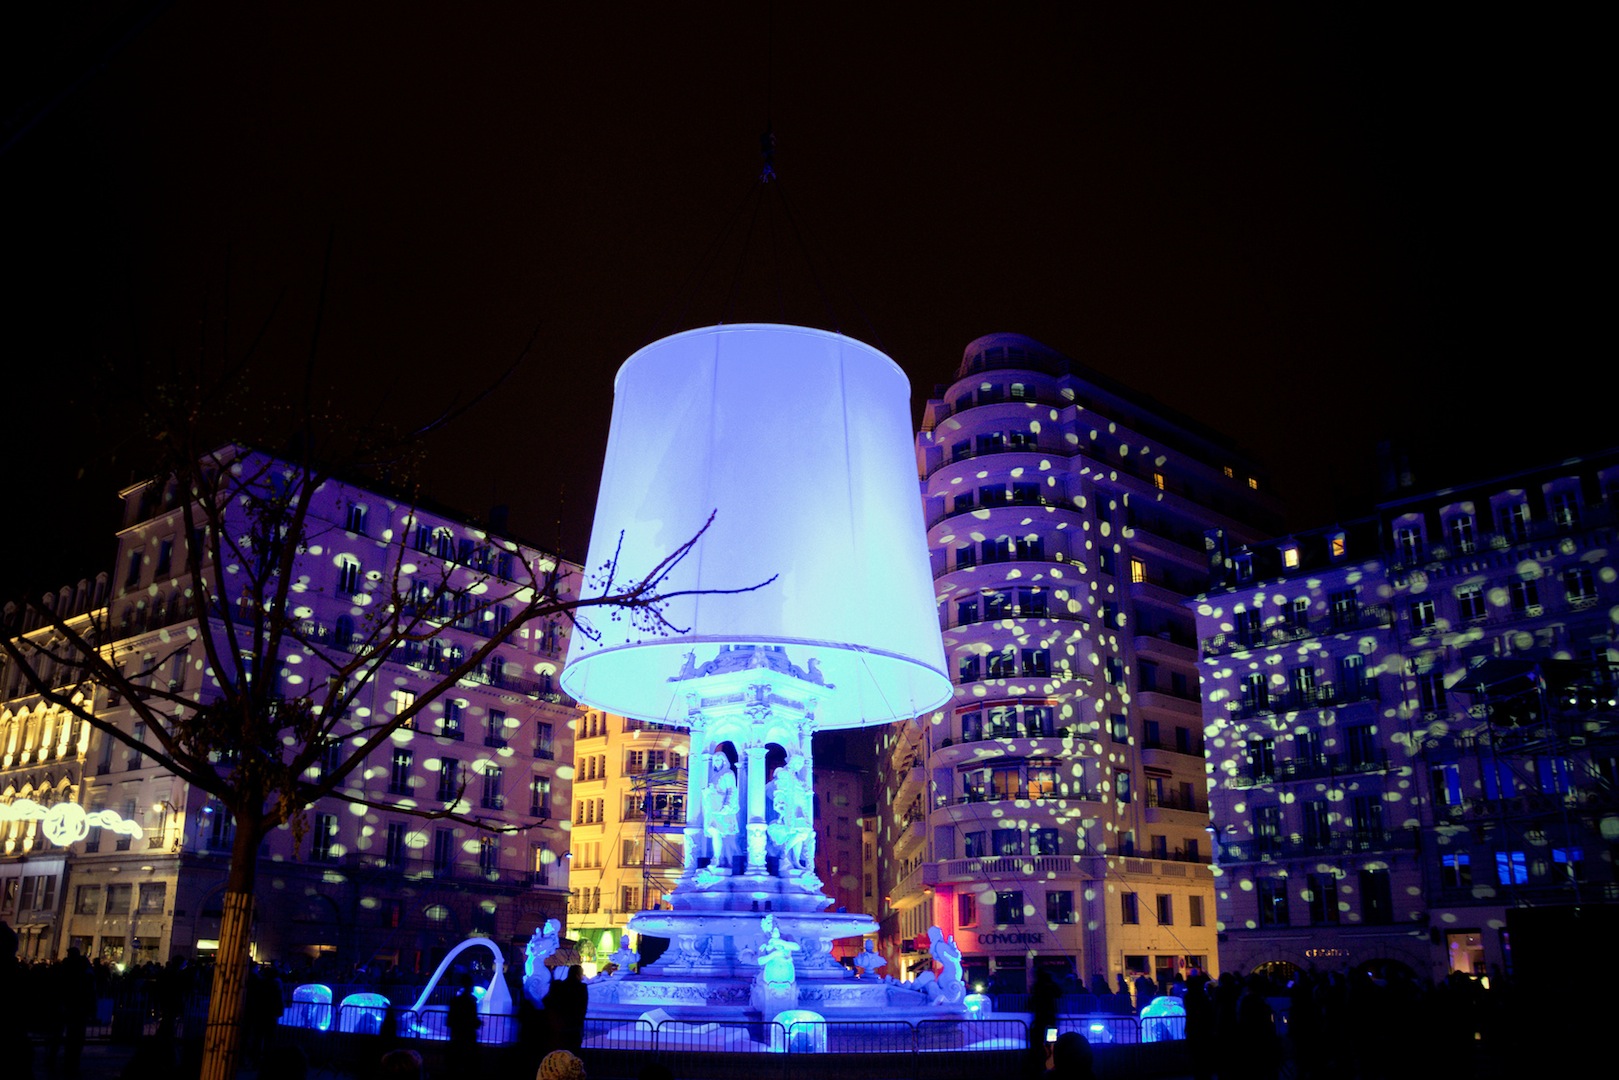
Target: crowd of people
[{"x": 1323, "y": 1025}]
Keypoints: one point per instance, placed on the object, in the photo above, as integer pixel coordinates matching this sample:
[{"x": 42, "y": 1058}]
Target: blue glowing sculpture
[{"x": 798, "y": 443}]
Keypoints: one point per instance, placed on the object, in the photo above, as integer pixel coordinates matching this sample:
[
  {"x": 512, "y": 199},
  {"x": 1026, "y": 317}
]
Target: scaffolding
[{"x": 660, "y": 798}]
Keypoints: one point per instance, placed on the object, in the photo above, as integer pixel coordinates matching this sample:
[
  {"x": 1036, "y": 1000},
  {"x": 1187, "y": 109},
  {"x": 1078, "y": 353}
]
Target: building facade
[
  {"x": 629, "y": 810},
  {"x": 1054, "y": 814},
  {"x": 42, "y": 755},
  {"x": 1411, "y": 728},
  {"x": 360, "y": 881}
]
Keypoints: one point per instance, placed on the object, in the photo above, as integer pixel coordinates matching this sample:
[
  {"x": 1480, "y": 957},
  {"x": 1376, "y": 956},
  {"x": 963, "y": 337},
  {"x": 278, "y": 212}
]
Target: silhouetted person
[
  {"x": 463, "y": 1022},
  {"x": 284, "y": 1062},
  {"x": 1071, "y": 1058},
  {"x": 400, "y": 1065},
  {"x": 1200, "y": 1027},
  {"x": 1258, "y": 1050},
  {"x": 560, "y": 1064},
  {"x": 565, "y": 1007}
]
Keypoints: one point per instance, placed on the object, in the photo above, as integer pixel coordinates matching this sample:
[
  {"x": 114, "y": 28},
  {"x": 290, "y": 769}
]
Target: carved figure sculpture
[
  {"x": 869, "y": 960},
  {"x": 537, "y": 977},
  {"x": 775, "y": 988},
  {"x": 948, "y": 988},
  {"x": 793, "y": 825},
  {"x": 720, "y": 810}
]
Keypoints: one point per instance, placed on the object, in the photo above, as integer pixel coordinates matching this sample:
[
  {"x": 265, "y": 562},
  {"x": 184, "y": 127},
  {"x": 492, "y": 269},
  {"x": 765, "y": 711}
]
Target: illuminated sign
[
  {"x": 1327, "y": 954},
  {"x": 1011, "y": 939},
  {"x": 67, "y": 823}
]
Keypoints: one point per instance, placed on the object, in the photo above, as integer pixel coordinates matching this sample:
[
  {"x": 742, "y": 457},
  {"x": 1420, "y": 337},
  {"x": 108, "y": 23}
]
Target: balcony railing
[
  {"x": 1366, "y": 616},
  {"x": 1265, "y": 849}
]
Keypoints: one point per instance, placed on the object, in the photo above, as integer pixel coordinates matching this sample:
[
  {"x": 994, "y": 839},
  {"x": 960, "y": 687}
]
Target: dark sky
[{"x": 1309, "y": 229}]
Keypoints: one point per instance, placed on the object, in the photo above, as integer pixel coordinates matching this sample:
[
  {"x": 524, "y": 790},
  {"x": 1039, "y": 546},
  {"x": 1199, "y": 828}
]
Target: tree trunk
[{"x": 227, "y": 1005}]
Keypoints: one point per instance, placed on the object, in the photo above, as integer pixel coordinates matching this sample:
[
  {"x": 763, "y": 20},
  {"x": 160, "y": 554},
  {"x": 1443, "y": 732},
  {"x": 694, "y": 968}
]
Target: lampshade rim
[
  {"x": 595, "y": 701},
  {"x": 730, "y": 328}
]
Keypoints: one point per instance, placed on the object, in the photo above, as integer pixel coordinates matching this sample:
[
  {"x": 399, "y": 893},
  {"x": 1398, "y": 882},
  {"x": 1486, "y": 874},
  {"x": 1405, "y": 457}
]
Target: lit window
[
  {"x": 1253, "y": 483},
  {"x": 1338, "y": 546},
  {"x": 1228, "y": 471},
  {"x": 1158, "y": 480},
  {"x": 1290, "y": 557},
  {"x": 1138, "y": 570},
  {"x": 1130, "y": 909}
]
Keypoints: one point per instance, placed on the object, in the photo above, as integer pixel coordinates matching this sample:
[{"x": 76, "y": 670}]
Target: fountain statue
[{"x": 786, "y": 615}]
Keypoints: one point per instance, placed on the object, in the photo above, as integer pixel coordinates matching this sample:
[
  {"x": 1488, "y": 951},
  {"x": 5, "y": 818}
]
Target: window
[
  {"x": 118, "y": 897},
  {"x": 1513, "y": 521},
  {"x": 544, "y": 748},
  {"x": 1376, "y": 897},
  {"x": 1138, "y": 570},
  {"x": 1462, "y": 534},
  {"x": 966, "y": 909},
  {"x": 488, "y": 856},
  {"x": 154, "y": 894},
  {"x": 1290, "y": 557},
  {"x": 165, "y": 557},
  {"x": 1194, "y": 910},
  {"x": 450, "y": 721},
  {"x": 1045, "y": 842},
  {"x": 87, "y": 900},
  {"x": 1361, "y": 745},
  {"x": 1008, "y": 841},
  {"x": 1009, "y": 908},
  {"x": 1119, "y": 727},
  {"x": 1565, "y": 509},
  {"x": 1470, "y": 602},
  {"x": 973, "y": 845},
  {"x": 494, "y": 793},
  {"x": 967, "y": 669},
  {"x": 449, "y": 779},
  {"x": 348, "y": 576},
  {"x": 1422, "y": 615},
  {"x": 132, "y": 572},
  {"x": 1060, "y": 907},
  {"x": 539, "y": 796},
  {"x": 1343, "y": 607},
  {"x": 1337, "y": 545},
  {"x": 1579, "y": 585},
  {"x": 1121, "y": 785},
  {"x": 1525, "y": 596},
  {"x": 323, "y": 835},
  {"x": 394, "y": 853},
  {"x": 1129, "y": 909},
  {"x": 1272, "y": 901},
  {"x": 1262, "y": 758},
  {"x": 1166, "y": 909},
  {"x": 399, "y": 772},
  {"x": 1446, "y": 783},
  {"x": 1036, "y": 663},
  {"x": 1511, "y": 868},
  {"x": 356, "y": 519},
  {"x": 443, "y": 851},
  {"x": 1408, "y": 543},
  {"x": 494, "y": 729},
  {"x": 1456, "y": 871}
]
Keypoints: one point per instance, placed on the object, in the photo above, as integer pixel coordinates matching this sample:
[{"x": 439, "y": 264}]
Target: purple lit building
[{"x": 1410, "y": 721}]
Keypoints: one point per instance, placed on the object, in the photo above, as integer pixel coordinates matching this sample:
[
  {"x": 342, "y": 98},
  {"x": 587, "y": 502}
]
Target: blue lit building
[{"x": 1411, "y": 727}]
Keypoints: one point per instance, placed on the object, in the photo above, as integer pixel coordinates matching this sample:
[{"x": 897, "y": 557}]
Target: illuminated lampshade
[{"x": 800, "y": 442}]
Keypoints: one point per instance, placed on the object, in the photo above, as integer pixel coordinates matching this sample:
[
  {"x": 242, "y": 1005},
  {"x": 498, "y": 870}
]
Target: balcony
[
  {"x": 1357, "y": 841},
  {"x": 910, "y": 838},
  {"x": 976, "y": 870},
  {"x": 1174, "y": 800},
  {"x": 1363, "y": 617},
  {"x": 1023, "y": 795},
  {"x": 1309, "y": 768}
]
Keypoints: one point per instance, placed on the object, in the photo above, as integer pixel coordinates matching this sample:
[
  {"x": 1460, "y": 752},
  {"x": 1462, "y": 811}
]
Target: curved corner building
[{"x": 1055, "y": 813}]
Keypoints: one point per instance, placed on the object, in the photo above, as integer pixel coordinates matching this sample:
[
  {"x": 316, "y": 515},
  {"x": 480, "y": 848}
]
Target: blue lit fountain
[{"x": 798, "y": 443}]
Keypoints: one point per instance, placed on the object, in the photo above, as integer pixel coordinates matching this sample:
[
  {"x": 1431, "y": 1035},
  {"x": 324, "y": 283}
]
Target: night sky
[{"x": 1311, "y": 230}]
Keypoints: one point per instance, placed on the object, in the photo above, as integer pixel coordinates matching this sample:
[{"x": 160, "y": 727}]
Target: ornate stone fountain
[{"x": 798, "y": 443}]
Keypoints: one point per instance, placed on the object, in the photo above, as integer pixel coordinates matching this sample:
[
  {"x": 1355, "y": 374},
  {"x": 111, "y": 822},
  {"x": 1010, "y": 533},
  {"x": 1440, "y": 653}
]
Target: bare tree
[{"x": 270, "y": 731}]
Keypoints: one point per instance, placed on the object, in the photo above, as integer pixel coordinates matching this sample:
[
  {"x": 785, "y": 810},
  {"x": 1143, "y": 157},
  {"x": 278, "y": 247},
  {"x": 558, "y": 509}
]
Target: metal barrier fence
[{"x": 771, "y": 1050}]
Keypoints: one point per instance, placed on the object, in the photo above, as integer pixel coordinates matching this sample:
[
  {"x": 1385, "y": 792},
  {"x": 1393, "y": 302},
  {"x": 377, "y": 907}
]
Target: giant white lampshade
[{"x": 799, "y": 441}]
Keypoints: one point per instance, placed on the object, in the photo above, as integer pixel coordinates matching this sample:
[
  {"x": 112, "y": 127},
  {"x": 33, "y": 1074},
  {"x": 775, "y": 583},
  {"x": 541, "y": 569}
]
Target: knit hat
[{"x": 561, "y": 1065}]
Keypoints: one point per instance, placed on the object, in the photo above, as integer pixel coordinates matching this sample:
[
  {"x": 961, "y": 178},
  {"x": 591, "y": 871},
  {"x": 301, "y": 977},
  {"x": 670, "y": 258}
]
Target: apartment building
[
  {"x": 360, "y": 881},
  {"x": 1411, "y": 729},
  {"x": 1055, "y": 813}
]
